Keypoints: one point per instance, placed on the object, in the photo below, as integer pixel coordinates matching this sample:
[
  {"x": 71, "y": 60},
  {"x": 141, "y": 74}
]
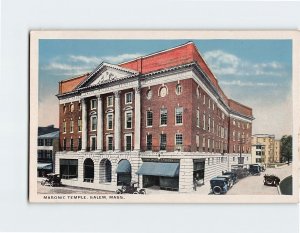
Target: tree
[{"x": 286, "y": 148}]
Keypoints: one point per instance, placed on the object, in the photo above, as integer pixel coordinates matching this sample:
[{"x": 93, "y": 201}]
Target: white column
[
  {"x": 137, "y": 119},
  {"x": 100, "y": 124},
  {"x": 84, "y": 126},
  {"x": 117, "y": 122}
]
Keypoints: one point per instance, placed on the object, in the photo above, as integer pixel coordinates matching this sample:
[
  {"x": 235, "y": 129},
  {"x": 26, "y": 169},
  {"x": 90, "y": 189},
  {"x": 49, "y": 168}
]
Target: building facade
[
  {"x": 161, "y": 120},
  {"x": 265, "y": 149},
  {"x": 48, "y": 145}
]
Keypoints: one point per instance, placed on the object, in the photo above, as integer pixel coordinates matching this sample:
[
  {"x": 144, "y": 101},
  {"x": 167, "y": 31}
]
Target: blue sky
[{"x": 257, "y": 73}]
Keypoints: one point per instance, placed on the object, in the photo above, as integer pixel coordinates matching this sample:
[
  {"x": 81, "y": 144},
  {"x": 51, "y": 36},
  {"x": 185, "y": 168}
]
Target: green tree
[{"x": 286, "y": 148}]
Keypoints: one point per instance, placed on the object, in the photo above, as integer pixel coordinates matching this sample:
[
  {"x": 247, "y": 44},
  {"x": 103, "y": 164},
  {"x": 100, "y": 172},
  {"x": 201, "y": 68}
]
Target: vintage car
[
  {"x": 52, "y": 180},
  {"x": 241, "y": 170},
  {"x": 131, "y": 188},
  {"x": 233, "y": 175},
  {"x": 228, "y": 178},
  {"x": 219, "y": 185},
  {"x": 271, "y": 180},
  {"x": 254, "y": 169}
]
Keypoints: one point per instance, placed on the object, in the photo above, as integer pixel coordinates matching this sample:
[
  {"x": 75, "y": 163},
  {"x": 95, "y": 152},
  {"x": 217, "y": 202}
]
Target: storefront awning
[
  {"x": 159, "y": 169},
  {"x": 45, "y": 166},
  {"x": 124, "y": 167}
]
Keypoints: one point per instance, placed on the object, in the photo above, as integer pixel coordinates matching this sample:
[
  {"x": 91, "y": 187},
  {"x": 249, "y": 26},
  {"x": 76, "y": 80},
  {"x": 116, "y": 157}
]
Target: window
[
  {"x": 48, "y": 142},
  {"x": 128, "y": 98},
  {"x": 79, "y": 125},
  {"x": 203, "y": 143},
  {"x": 40, "y": 142},
  {"x": 93, "y": 123},
  {"x": 79, "y": 106},
  {"x": 128, "y": 142},
  {"x": 48, "y": 154},
  {"x": 223, "y": 115},
  {"x": 233, "y": 136},
  {"x": 64, "y": 144},
  {"x": 93, "y": 103},
  {"x": 71, "y": 107},
  {"x": 204, "y": 121},
  {"x": 233, "y": 122},
  {"x": 71, "y": 144},
  {"x": 203, "y": 98},
  {"x": 64, "y": 127},
  {"x": 163, "y": 116},
  {"x": 197, "y": 142},
  {"x": 110, "y": 143},
  {"x": 178, "y": 115},
  {"x": 179, "y": 140},
  {"x": 163, "y": 91},
  {"x": 213, "y": 106},
  {"x": 213, "y": 126},
  {"x": 79, "y": 143},
  {"x": 198, "y": 118},
  {"x": 178, "y": 89},
  {"x": 149, "y": 118},
  {"x": 208, "y": 127},
  {"x": 110, "y": 101},
  {"x": 198, "y": 92},
  {"x": 208, "y": 144},
  {"x": 163, "y": 142},
  {"x": 110, "y": 121},
  {"x": 149, "y": 142},
  {"x": 149, "y": 94},
  {"x": 65, "y": 109},
  {"x": 71, "y": 126},
  {"x": 209, "y": 103},
  {"x": 93, "y": 142},
  {"x": 128, "y": 119}
]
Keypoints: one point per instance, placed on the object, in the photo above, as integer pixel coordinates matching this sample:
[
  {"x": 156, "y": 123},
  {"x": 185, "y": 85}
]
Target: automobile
[
  {"x": 254, "y": 169},
  {"x": 131, "y": 188},
  {"x": 271, "y": 180},
  {"x": 219, "y": 185},
  {"x": 241, "y": 170},
  {"x": 52, "y": 180},
  {"x": 233, "y": 175},
  {"x": 228, "y": 178}
]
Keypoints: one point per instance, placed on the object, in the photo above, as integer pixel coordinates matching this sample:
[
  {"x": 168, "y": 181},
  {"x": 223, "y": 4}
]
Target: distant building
[
  {"x": 46, "y": 129},
  {"x": 48, "y": 144},
  {"x": 265, "y": 149}
]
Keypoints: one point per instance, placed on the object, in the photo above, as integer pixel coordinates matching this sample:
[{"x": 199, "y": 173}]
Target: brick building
[{"x": 160, "y": 119}]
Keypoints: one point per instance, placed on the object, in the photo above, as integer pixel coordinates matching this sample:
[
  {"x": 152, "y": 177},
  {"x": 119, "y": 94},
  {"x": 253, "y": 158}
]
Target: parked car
[
  {"x": 241, "y": 170},
  {"x": 229, "y": 180},
  {"x": 271, "y": 180},
  {"x": 219, "y": 185},
  {"x": 131, "y": 188},
  {"x": 52, "y": 180},
  {"x": 254, "y": 169},
  {"x": 233, "y": 175}
]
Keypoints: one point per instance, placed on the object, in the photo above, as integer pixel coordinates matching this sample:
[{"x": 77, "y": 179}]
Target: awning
[
  {"x": 124, "y": 167},
  {"x": 159, "y": 169},
  {"x": 45, "y": 166}
]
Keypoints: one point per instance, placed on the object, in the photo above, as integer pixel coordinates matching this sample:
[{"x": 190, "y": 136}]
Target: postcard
[{"x": 164, "y": 116}]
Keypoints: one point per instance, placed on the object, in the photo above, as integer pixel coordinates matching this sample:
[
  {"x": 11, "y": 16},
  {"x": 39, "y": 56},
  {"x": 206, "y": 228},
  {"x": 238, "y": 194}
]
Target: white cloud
[
  {"x": 223, "y": 63},
  {"x": 247, "y": 84}
]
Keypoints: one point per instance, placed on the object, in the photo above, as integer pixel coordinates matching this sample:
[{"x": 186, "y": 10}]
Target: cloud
[
  {"x": 247, "y": 84},
  {"x": 78, "y": 64},
  {"x": 48, "y": 111},
  {"x": 223, "y": 63}
]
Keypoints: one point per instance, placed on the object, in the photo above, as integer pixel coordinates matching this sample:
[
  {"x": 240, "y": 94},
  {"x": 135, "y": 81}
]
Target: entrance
[
  {"x": 123, "y": 172},
  {"x": 105, "y": 171},
  {"x": 198, "y": 171},
  {"x": 88, "y": 170},
  {"x": 68, "y": 168}
]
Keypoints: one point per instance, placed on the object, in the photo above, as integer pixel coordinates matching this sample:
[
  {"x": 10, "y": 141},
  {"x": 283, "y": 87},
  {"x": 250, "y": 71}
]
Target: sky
[{"x": 257, "y": 73}]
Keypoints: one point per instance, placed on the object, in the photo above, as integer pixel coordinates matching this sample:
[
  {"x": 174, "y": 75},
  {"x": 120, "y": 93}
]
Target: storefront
[
  {"x": 123, "y": 172},
  {"x": 68, "y": 168},
  {"x": 163, "y": 174},
  {"x": 198, "y": 171}
]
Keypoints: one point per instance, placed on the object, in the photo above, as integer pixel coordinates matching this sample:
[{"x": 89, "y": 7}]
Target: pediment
[{"x": 106, "y": 73}]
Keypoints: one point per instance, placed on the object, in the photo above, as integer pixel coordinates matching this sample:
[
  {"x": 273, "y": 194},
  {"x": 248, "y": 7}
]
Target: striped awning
[{"x": 159, "y": 169}]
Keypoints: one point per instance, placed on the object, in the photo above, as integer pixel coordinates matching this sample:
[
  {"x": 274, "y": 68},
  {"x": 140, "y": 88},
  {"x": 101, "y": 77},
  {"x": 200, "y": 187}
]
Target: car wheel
[
  {"x": 43, "y": 183},
  {"x": 119, "y": 191},
  {"x": 143, "y": 191},
  {"x": 52, "y": 184},
  {"x": 269, "y": 182},
  {"x": 217, "y": 190},
  {"x": 136, "y": 192}
]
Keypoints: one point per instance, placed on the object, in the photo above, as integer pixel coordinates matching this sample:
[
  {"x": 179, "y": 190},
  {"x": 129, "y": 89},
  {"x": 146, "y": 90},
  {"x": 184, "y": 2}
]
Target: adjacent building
[
  {"x": 161, "y": 119},
  {"x": 265, "y": 149},
  {"x": 48, "y": 144}
]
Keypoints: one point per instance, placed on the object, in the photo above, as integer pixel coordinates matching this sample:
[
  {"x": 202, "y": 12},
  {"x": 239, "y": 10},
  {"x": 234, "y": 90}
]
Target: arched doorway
[
  {"x": 123, "y": 172},
  {"x": 105, "y": 171},
  {"x": 88, "y": 170}
]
